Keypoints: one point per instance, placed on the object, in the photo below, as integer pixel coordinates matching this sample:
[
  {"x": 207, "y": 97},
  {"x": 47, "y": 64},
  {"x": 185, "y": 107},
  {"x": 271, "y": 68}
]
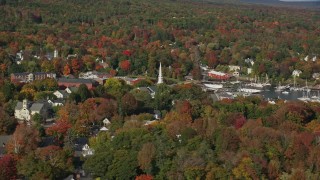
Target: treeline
[
  {"x": 178, "y": 33},
  {"x": 196, "y": 138},
  {"x": 233, "y": 139}
]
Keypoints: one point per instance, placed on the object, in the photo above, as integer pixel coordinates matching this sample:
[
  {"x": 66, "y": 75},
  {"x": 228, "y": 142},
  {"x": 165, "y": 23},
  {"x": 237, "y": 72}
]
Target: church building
[{"x": 25, "y": 110}]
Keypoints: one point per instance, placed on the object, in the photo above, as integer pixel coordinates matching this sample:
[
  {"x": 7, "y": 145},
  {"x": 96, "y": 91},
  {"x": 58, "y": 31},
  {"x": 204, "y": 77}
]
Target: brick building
[
  {"x": 72, "y": 82},
  {"x": 29, "y": 77}
]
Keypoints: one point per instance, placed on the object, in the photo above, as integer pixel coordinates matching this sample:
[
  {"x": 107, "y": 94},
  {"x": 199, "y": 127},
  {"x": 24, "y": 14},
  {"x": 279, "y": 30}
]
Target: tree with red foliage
[
  {"x": 212, "y": 59},
  {"x": 196, "y": 72},
  {"x": 8, "y": 168},
  {"x": 76, "y": 66},
  {"x": 3, "y": 68},
  {"x": 262, "y": 68},
  {"x": 125, "y": 65},
  {"x": 144, "y": 177},
  {"x": 239, "y": 122},
  {"x": 98, "y": 67},
  {"x": 113, "y": 72},
  {"x": 14, "y": 47},
  {"x": 59, "y": 130},
  {"x": 127, "y": 53},
  {"x": 184, "y": 107}
]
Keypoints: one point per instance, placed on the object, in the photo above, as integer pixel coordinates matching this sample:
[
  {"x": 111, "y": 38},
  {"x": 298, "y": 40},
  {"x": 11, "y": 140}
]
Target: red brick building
[
  {"x": 29, "y": 77},
  {"x": 72, "y": 82},
  {"x": 218, "y": 75}
]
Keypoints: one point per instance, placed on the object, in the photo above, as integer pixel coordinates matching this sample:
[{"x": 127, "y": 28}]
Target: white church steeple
[
  {"x": 55, "y": 53},
  {"x": 160, "y": 78}
]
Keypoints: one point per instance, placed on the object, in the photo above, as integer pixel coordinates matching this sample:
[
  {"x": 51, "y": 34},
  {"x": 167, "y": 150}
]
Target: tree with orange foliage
[
  {"x": 125, "y": 65},
  {"x": 75, "y": 65},
  {"x": 57, "y": 65},
  {"x": 177, "y": 122},
  {"x": 24, "y": 140},
  {"x": 184, "y": 107},
  {"x": 3, "y": 68},
  {"x": 27, "y": 93},
  {"x": 144, "y": 177},
  {"x": 66, "y": 70},
  {"x": 113, "y": 72}
]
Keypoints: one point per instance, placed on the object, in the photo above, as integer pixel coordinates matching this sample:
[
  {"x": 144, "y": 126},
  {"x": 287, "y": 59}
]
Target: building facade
[
  {"x": 72, "y": 82},
  {"x": 29, "y": 77},
  {"x": 25, "y": 110}
]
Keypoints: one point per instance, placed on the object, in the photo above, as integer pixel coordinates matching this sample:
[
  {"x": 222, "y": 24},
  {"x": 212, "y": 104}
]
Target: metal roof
[{"x": 36, "y": 106}]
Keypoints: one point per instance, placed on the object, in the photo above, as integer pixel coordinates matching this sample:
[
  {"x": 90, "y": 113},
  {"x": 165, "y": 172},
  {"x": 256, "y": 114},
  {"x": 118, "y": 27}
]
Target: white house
[
  {"x": 72, "y": 56},
  {"x": 147, "y": 123},
  {"x": 60, "y": 94},
  {"x": 296, "y": 73},
  {"x": 205, "y": 68},
  {"x": 106, "y": 122},
  {"x": 236, "y": 74},
  {"x": 55, "y": 54},
  {"x": 233, "y": 68},
  {"x": 316, "y": 75},
  {"x": 104, "y": 129},
  {"x": 89, "y": 75},
  {"x": 87, "y": 151},
  {"x": 157, "y": 114},
  {"x": 249, "y": 61},
  {"x": 24, "y": 110},
  {"x": 58, "y": 102},
  {"x": 19, "y": 57},
  {"x": 314, "y": 58}
]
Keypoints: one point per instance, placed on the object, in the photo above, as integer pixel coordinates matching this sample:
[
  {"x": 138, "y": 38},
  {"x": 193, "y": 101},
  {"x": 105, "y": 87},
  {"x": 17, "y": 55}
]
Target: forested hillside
[
  {"x": 145, "y": 131},
  {"x": 177, "y": 33}
]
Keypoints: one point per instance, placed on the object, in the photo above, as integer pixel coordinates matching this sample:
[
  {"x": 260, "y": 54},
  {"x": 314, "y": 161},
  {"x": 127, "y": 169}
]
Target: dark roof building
[{"x": 73, "y": 82}]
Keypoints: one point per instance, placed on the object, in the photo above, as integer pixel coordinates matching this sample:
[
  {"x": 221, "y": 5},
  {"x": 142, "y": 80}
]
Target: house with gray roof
[
  {"x": 56, "y": 102},
  {"x": 61, "y": 94},
  {"x": 25, "y": 110},
  {"x": 72, "y": 89},
  {"x": 150, "y": 90}
]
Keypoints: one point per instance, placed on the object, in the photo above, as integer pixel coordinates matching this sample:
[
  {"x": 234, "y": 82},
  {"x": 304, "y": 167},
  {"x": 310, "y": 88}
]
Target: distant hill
[{"x": 289, "y": 3}]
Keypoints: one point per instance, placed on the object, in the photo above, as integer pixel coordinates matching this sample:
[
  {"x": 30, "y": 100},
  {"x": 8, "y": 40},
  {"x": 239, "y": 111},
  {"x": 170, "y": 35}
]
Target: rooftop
[
  {"x": 36, "y": 106},
  {"x": 74, "y": 80}
]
